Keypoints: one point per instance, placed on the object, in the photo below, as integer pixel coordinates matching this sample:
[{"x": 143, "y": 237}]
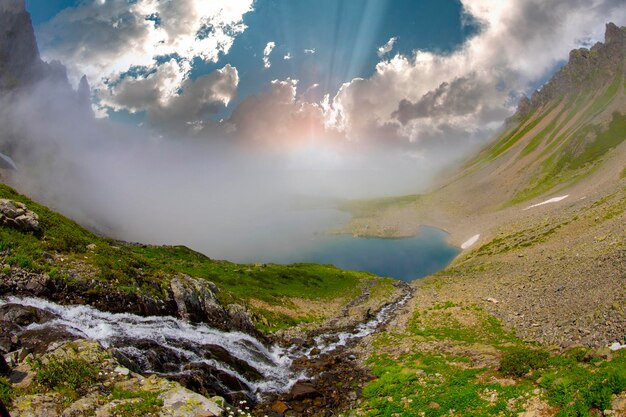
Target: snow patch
[
  {"x": 469, "y": 242},
  {"x": 552, "y": 200}
]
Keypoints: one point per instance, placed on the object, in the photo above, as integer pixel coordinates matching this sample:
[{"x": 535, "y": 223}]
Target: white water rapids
[{"x": 183, "y": 338}]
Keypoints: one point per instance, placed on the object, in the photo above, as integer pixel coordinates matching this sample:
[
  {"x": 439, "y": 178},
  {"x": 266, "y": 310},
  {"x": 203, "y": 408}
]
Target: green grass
[
  {"x": 6, "y": 391},
  {"x": 577, "y": 387},
  {"x": 605, "y": 99},
  {"x": 441, "y": 322},
  {"x": 578, "y": 157},
  {"x": 439, "y": 370},
  {"x": 435, "y": 384},
  {"x": 271, "y": 282},
  {"x": 507, "y": 142},
  {"x": 147, "y": 403},
  {"x": 71, "y": 377}
]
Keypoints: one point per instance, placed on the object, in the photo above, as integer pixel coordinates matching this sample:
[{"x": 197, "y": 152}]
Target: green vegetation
[
  {"x": 579, "y": 156},
  {"x": 519, "y": 361},
  {"x": 271, "y": 282},
  {"x": 6, "y": 392},
  {"x": 513, "y": 137},
  {"x": 144, "y": 404},
  {"x": 605, "y": 99},
  {"x": 461, "y": 361},
  {"x": 71, "y": 377},
  {"x": 444, "y": 322}
]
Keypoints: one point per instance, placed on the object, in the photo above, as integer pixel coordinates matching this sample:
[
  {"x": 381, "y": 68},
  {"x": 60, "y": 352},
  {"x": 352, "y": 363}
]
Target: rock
[
  {"x": 122, "y": 371},
  {"x": 616, "y": 346},
  {"x": 91, "y": 246},
  {"x": 180, "y": 402},
  {"x": 17, "y": 216},
  {"x": 279, "y": 407},
  {"x": 85, "y": 406},
  {"x": 239, "y": 318},
  {"x": 23, "y": 315},
  {"x": 195, "y": 300},
  {"x": 220, "y": 401},
  {"x": 4, "y": 367},
  {"x": 3, "y": 410},
  {"x": 433, "y": 405},
  {"x": 304, "y": 390},
  {"x": 37, "y": 405},
  {"x": 618, "y": 405},
  {"x": 42, "y": 339}
]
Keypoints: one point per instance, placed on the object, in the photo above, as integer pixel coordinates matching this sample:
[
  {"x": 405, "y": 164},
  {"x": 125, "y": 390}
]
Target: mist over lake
[{"x": 300, "y": 237}]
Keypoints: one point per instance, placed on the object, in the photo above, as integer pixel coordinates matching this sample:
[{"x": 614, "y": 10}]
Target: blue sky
[
  {"x": 345, "y": 35},
  {"x": 450, "y": 73}
]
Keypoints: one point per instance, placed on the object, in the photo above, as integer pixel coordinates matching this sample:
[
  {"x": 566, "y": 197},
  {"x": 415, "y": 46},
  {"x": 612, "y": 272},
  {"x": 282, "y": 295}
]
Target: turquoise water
[{"x": 404, "y": 259}]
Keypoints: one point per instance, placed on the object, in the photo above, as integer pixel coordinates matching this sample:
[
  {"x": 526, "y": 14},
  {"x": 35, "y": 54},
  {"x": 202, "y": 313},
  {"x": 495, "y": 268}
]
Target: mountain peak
[
  {"x": 586, "y": 70},
  {"x": 614, "y": 34}
]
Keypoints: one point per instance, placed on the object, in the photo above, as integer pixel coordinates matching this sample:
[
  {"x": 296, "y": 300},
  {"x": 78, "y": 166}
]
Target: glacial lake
[{"x": 404, "y": 259}]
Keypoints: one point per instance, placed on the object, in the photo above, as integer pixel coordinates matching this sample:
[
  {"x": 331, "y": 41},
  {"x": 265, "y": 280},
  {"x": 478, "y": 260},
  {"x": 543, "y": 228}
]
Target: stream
[{"x": 232, "y": 364}]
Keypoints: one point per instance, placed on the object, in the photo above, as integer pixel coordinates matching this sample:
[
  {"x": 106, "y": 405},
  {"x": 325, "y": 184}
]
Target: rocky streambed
[{"x": 312, "y": 374}]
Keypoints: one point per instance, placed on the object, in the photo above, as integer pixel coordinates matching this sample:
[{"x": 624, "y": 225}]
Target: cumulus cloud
[
  {"x": 287, "y": 56},
  {"x": 279, "y": 118},
  {"x": 171, "y": 100},
  {"x": 386, "y": 48},
  {"x": 309, "y": 51},
  {"x": 428, "y": 98},
  {"x": 123, "y": 47},
  {"x": 266, "y": 54}
]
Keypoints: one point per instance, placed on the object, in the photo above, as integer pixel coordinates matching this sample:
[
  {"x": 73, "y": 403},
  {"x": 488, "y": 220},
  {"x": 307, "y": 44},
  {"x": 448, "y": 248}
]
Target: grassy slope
[
  {"x": 148, "y": 269},
  {"x": 459, "y": 360}
]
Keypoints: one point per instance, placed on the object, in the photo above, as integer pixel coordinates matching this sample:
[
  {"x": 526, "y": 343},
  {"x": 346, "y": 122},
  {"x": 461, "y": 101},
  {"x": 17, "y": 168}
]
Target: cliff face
[
  {"x": 20, "y": 63},
  {"x": 586, "y": 70}
]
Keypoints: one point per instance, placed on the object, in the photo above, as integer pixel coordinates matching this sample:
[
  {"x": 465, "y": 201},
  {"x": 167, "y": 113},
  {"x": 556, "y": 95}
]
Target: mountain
[
  {"x": 567, "y": 131},
  {"x": 20, "y": 63},
  {"x": 540, "y": 211},
  {"x": 567, "y": 138}
]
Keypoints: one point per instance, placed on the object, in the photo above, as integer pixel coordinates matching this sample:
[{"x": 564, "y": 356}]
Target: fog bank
[{"x": 218, "y": 197}]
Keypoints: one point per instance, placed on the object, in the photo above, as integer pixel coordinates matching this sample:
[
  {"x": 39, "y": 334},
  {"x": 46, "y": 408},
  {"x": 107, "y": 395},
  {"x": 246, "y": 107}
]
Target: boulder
[
  {"x": 180, "y": 402},
  {"x": 240, "y": 319},
  {"x": 4, "y": 367},
  {"x": 196, "y": 301},
  {"x": 304, "y": 390},
  {"x": 23, "y": 315},
  {"x": 16, "y": 215}
]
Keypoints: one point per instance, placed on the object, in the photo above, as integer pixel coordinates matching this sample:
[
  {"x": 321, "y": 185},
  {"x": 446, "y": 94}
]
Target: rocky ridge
[{"x": 587, "y": 69}]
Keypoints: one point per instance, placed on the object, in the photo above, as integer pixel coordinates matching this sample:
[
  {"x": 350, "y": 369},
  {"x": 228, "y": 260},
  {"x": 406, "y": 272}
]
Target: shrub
[
  {"x": 147, "y": 403},
  {"x": 518, "y": 362},
  {"x": 6, "y": 392},
  {"x": 61, "y": 375}
]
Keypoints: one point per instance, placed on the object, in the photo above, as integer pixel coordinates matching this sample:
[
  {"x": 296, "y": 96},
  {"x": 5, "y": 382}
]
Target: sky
[{"x": 424, "y": 77}]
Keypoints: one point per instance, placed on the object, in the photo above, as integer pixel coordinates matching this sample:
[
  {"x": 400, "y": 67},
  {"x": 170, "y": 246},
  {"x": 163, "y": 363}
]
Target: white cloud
[
  {"x": 105, "y": 40},
  {"x": 430, "y": 99},
  {"x": 287, "y": 56},
  {"x": 171, "y": 101},
  {"x": 266, "y": 54},
  {"x": 309, "y": 51},
  {"x": 388, "y": 47}
]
